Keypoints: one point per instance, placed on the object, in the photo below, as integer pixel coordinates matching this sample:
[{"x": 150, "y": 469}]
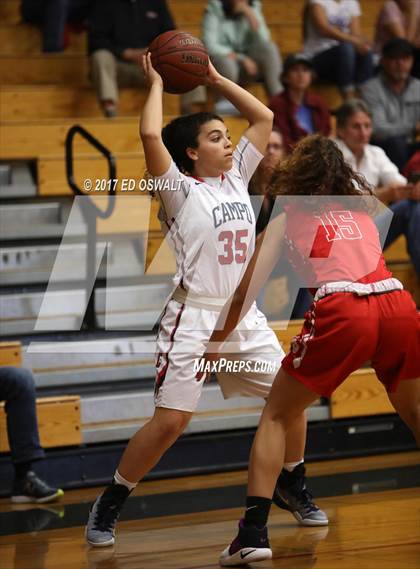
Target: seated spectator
[
  {"x": 400, "y": 19},
  {"x": 394, "y": 99},
  {"x": 297, "y": 112},
  {"x": 334, "y": 42},
  {"x": 354, "y": 129},
  {"x": 17, "y": 388},
  {"x": 53, "y": 16},
  {"x": 119, "y": 34},
  {"x": 239, "y": 44}
]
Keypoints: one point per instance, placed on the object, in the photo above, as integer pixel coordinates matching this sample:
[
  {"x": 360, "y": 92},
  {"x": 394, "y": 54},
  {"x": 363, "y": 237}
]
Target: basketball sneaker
[
  {"x": 103, "y": 515},
  {"x": 31, "y": 489},
  {"x": 250, "y": 545},
  {"x": 291, "y": 494}
]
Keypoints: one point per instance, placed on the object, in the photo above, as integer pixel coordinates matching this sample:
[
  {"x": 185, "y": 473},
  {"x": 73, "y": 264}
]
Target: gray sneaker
[
  {"x": 103, "y": 516},
  {"x": 291, "y": 494},
  {"x": 32, "y": 489}
]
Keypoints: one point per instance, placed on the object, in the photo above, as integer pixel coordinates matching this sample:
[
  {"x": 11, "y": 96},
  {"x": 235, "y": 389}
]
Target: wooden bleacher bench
[
  {"x": 330, "y": 93},
  {"x": 25, "y": 39},
  {"x": 9, "y": 12},
  {"x": 405, "y": 273},
  {"x": 192, "y": 10},
  {"x": 361, "y": 394},
  {"x": 21, "y": 140},
  {"x": 284, "y": 19},
  {"x": 57, "y": 69},
  {"x": 10, "y": 354},
  {"x": 59, "y": 420},
  {"x": 37, "y": 102}
]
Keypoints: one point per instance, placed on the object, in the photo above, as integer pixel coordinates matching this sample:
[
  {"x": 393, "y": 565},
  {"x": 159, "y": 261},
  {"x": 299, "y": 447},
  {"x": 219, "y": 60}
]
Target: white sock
[
  {"x": 120, "y": 480},
  {"x": 290, "y": 466}
]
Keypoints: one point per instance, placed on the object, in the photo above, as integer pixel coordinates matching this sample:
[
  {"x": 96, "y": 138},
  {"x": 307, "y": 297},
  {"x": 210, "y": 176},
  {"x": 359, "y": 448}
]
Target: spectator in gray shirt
[{"x": 394, "y": 99}]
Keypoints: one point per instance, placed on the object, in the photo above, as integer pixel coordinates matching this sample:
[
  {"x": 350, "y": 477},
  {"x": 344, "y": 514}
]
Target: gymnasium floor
[{"x": 373, "y": 504}]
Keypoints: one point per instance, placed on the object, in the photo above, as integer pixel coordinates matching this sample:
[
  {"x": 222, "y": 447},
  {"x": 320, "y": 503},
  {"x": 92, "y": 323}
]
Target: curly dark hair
[{"x": 317, "y": 167}]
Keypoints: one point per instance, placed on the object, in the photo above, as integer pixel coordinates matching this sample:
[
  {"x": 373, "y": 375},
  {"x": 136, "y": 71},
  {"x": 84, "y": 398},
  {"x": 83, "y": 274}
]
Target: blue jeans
[
  {"x": 343, "y": 65},
  {"x": 52, "y": 16},
  {"x": 17, "y": 388},
  {"x": 406, "y": 221}
]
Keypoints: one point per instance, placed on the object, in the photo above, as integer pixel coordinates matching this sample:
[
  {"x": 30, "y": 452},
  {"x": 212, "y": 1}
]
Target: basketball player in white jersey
[{"x": 210, "y": 224}]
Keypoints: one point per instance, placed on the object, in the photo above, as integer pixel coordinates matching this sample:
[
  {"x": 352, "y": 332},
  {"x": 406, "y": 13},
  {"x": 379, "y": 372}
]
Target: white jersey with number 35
[{"x": 210, "y": 224}]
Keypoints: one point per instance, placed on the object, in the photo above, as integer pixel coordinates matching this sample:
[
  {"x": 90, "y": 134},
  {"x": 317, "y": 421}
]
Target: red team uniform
[{"x": 360, "y": 312}]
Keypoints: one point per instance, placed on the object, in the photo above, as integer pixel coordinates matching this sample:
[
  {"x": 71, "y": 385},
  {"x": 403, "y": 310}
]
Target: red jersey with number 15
[{"x": 337, "y": 243}]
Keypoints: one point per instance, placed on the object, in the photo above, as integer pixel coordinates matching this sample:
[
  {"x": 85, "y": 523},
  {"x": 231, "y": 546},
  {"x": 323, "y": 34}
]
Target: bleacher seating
[
  {"x": 41, "y": 96},
  {"x": 58, "y": 417},
  {"x": 40, "y": 102}
]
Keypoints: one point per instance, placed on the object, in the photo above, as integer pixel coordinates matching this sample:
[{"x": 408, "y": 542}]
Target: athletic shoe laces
[
  {"x": 107, "y": 514},
  {"x": 305, "y": 499}
]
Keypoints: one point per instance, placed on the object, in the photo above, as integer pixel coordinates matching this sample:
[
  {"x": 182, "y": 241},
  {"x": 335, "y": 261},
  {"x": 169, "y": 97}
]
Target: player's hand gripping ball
[{"x": 180, "y": 59}]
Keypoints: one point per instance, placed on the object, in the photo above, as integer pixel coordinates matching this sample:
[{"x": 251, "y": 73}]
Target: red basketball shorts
[{"x": 343, "y": 331}]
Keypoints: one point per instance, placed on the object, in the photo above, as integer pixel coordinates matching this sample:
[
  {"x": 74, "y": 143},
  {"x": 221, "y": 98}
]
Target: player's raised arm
[
  {"x": 157, "y": 156},
  {"x": 259, "y": 116}
]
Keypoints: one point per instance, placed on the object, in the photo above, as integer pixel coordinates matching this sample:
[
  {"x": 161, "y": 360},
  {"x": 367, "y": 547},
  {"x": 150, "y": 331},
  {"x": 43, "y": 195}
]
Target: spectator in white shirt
[
  {"x": 334, "y": 42},
  {"x": 354, "y": 130}
]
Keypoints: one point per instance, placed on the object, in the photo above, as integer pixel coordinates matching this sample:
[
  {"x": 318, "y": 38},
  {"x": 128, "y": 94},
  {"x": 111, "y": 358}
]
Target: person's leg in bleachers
[
  {"x": 17, "y": 388},
  {"x": 55, "y": 17},
  {"x": 104, "y": 77},
  {"x": 268, "y": 58},
  {"x": 338, "y": 65}
]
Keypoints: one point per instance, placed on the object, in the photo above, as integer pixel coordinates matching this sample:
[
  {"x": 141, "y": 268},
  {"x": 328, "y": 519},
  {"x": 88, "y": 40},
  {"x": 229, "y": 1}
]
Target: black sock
[
  {"x": 116, "y": 491},
  {"x": 21, "y": 469},
  {"x": 257, "y": 510}
]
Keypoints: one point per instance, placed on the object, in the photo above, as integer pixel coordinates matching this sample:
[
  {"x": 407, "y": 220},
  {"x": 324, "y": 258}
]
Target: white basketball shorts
[{"x": 251, "y": 365}]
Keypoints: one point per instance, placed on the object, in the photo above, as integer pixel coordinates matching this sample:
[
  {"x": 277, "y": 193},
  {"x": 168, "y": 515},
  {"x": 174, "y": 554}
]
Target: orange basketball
[{"x": 180, "y": 59}]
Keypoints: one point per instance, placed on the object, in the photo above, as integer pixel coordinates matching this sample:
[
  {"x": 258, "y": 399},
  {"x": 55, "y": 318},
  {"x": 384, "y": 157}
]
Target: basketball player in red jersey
[
  {"x": 360, "y": 313},
  {"x": 211, "y": 224}
]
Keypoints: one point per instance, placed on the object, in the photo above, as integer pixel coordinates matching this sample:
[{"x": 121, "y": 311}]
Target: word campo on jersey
[{"x": 229, "y": 211}]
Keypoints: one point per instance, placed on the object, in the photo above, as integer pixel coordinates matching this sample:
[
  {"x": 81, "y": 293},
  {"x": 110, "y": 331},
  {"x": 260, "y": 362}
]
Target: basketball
[{"x": 180, "y": 59}]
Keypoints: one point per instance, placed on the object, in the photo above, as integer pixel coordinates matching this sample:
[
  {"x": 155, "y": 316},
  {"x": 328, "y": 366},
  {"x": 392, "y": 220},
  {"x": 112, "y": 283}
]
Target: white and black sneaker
[
  {"x": 250, "y": 545},
  {"x": 32, "y": 489},
  {"x": 103, "y": 516},
  {"x": 291, "y": 494}
]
